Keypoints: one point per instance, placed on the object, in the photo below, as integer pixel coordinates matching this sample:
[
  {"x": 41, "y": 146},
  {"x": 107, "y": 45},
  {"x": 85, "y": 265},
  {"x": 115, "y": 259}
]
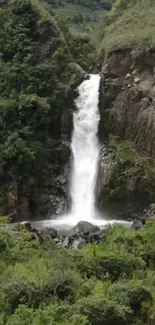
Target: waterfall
[
  {"x": 85, "y": 150},
  {"x": 85, "y": 153}
]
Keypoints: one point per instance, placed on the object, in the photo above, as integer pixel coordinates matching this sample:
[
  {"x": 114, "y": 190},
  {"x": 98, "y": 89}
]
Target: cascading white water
[{"x": 85, "y": 150}]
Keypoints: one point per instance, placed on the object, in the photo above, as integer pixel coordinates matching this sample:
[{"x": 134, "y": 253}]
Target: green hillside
[
  {"x": 111, "y": 283},
  {"x": 130, "y": 24},
  {"x": 81, "y": 15},
  {"x": 37, "y": 74}
]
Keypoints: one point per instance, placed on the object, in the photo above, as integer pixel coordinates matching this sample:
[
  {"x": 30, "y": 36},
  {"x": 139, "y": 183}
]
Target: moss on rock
[{"x": 132, "y": 176}]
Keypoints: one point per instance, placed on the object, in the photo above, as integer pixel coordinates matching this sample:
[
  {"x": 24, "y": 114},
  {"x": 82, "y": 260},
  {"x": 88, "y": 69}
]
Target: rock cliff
[
  {"x": 128, "y": 97},
  {"x": 127, "y": 105}
]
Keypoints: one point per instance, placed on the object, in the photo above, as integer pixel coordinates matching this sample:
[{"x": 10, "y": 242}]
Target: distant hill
[{"x": 81, "y": 15}]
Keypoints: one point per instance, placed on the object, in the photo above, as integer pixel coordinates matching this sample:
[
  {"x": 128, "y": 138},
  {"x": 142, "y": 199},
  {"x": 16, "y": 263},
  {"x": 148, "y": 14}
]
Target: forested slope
[
  {"x": 81, "y": 15},
  {"x": 37, "y": 76},
  {"x": 129, "y": 24}
]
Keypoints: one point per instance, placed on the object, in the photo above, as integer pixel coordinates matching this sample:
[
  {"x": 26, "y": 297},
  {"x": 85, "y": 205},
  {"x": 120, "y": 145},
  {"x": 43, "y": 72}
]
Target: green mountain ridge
[
  {"x": 129, "y": 24},
  {"x": 82, "y": 16}
]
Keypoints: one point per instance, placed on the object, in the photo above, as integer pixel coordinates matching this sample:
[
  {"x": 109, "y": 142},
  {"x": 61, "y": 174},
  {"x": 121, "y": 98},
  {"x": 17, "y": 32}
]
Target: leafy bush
[
  {"x": 108, "y": 283},
  {"x": 123, "y": 26},
  {"x": 101, "y": 311},
  {"x": 112, "y": 262}
]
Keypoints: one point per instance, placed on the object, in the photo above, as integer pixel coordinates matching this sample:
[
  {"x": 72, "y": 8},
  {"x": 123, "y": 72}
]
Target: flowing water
[
  {"x": 85, "y": 150},
  {"x": 86, "y": 153}
]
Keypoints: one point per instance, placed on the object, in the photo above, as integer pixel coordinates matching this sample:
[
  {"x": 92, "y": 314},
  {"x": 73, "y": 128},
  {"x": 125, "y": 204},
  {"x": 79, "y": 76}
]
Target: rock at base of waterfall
[
  {"x": 41, "y": 232},
  {"x": 48, "y": 232},
  {"x": 67, "y": 242},
  {"x": 79, "y": 243},
  {"x": 137, "y": 224},
  {"x": 85, "y": 228}
]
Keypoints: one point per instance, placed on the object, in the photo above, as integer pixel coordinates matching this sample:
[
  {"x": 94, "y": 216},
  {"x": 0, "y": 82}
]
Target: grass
[{"x": 135, "y": 27}]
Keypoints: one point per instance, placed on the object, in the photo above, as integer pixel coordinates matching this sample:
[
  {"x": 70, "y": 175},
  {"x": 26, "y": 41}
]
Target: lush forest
[
  {"x": 37, "y": 74},
  {"x": 81, "y": 16},
  {"x": 128, "y": 24},
  {"x": 102, "y": 284}
]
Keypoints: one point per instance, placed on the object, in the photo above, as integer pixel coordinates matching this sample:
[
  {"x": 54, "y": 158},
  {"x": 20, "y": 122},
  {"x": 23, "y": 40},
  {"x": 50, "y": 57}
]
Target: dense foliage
[
  {"x": 37, "y": 73},
  {"x": 124, "y": 25},
  {"x": 81, "y": 15},
  {"x": 133, "y": 166},
  {"x": 81, "y": 47},
  {"x": 104, "y": 284},
  {"x": 134, "y": 175},
  {"x": 91, "y": 4}
]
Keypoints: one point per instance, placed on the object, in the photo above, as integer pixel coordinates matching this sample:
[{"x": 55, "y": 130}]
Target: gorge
[
  {"x": 77, "y": 168},
  {"x": 85, "y": 162},
  {"x": 36, "y": 133}
]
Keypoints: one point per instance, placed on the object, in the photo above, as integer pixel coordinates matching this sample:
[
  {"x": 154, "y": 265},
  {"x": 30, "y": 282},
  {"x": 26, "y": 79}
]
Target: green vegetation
[
  {"x": 37, "y": 74},
  {"x": 81, "y": 15},
  {"x": 134, "y": 176},
  {"x": 104, "y": 284},
  {"x": 129, "y": 24},
  {"x": 82, "y": 47},
  {"x": 111, "y": 24},
  {"x": 40, "y": 283}
]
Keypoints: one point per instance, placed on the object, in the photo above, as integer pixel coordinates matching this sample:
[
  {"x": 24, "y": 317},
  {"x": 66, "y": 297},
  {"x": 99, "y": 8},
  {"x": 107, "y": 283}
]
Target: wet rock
[
  {"x": 84, "y": 227},
  {"x": 137, "y": 224},
  {"x": 94, "y": 237},
  {"x": 52, "y": 232},
  {"x": 61, "y": 206},
  {"x": 67, "y": 242},
  {"x": 151, "y": 211},
  {"x": 27, "y": 225},
  {"x": 108, "y": 166},
  {"x": 57, "y": 240},
  {"x": 78, "y": 243},
  {"x": 45, "y": 232},
  {"x": 44, "y": 198}
]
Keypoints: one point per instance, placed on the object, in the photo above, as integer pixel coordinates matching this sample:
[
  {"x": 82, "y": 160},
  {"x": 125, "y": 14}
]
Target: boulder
[
  {"x": 67, "y": 242},
  {"x": 137, "y": 224},
  {"x": 78, "y": 243},
  {"x": 48, "y": 232},
  {"x": 151, "y": 211},
  {"x": 84, "y": 227}
]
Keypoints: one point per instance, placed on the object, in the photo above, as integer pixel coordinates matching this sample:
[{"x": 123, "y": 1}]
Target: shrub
[
  {"x": 113, "y": 263},
  {"x": 101, "y": 311}
]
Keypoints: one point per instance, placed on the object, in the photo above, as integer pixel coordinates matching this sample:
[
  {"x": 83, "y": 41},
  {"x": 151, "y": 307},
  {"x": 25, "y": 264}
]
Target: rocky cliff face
[
  {"x": 127, "y": 105},
  {"x": 128, "y": 98}
]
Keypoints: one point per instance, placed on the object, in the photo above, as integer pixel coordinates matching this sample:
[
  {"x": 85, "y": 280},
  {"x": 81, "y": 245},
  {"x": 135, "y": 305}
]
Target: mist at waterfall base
[{"x": 86, "y": 154}]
